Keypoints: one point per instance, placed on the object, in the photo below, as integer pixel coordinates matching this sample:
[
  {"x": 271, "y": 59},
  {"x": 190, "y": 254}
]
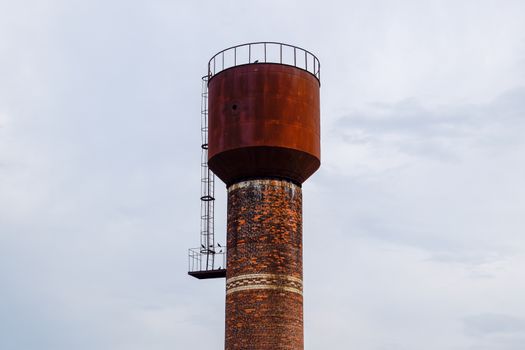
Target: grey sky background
[{"x": 413, "y": 227}]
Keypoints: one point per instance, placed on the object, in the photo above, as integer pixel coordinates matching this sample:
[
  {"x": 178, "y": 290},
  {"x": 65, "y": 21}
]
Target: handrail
[
  {"x": 206, "y": 259},
  {"x": 264, "y": 52}
]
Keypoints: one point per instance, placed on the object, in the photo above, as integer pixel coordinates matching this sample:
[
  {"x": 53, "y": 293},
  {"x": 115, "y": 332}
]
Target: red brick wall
[{"x": 264, "y": 302}]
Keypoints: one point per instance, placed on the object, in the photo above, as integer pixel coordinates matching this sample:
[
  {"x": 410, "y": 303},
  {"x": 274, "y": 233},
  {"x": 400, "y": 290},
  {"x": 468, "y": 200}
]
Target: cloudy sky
[{"x": 414, "y": 227}]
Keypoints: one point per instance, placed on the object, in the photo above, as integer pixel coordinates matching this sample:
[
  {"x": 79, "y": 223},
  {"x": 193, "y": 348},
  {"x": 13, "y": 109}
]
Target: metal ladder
[
  {"x": 207, "y": 186},
  {"x": 207, "y": 261}
]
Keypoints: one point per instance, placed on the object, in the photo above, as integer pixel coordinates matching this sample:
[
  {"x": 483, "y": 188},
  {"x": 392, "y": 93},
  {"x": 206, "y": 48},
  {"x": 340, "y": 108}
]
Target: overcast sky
[{"x": 414, "y": 227}]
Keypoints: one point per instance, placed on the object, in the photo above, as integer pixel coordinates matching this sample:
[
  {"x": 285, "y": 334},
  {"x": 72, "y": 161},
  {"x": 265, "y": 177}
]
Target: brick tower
[{"x": 264, "y": 142}]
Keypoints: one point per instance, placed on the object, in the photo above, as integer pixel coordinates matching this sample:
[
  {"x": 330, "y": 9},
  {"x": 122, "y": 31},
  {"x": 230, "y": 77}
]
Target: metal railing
[
  {"x": 265, "y": 52},
  {"x": 211, "y": 259}
]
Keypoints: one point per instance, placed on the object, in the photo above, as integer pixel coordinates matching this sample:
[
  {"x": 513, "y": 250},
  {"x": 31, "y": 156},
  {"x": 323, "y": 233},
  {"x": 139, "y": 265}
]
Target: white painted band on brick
[
  {"x": 264, "y": 275},
  {"x": 264, "y": 286},
  {"x": 264, "y": 281},
  {"x": 262, "y": 182}
]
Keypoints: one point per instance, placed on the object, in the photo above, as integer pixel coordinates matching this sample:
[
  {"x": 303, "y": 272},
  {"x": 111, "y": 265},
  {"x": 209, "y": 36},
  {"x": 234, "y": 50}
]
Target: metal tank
[{"x": 264, "y": 122}]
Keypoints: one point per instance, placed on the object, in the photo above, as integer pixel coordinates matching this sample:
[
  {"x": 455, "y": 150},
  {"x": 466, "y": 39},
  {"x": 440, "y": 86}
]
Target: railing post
[
  {"x": 306, "y": 60},
  {"x": 281, "y": 53},
  {"x": 249, "y": 53},
  {"x": 264, "y": 52},
  {"x": 235, "y": 57}
]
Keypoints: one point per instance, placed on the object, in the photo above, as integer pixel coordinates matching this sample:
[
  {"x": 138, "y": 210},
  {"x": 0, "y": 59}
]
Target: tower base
[{"x": 264, "y": 289}]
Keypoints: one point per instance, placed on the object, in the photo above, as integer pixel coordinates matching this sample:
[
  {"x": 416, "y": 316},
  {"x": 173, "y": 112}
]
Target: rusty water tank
[{"x": 264, "y": 122}]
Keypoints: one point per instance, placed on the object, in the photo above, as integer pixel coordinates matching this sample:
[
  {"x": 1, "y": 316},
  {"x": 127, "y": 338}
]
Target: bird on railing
[{"x": 256, "y": 61}]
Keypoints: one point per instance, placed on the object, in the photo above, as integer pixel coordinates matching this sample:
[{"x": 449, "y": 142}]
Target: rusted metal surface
[{"x": 264, "y": 122}]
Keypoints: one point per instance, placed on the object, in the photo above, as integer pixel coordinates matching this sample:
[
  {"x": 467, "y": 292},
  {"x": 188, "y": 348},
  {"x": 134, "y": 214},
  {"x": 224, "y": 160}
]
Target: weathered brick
[{"x": 264, "y": 302}]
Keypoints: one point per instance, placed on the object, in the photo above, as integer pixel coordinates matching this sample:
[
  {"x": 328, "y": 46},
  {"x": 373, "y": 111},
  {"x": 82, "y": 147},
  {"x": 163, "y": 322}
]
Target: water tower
[{"x": 261, "y": 137}]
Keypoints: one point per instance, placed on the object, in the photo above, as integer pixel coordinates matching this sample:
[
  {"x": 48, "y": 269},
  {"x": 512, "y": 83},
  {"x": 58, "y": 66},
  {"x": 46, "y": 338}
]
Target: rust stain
[{"x": 264, "y": 121}]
